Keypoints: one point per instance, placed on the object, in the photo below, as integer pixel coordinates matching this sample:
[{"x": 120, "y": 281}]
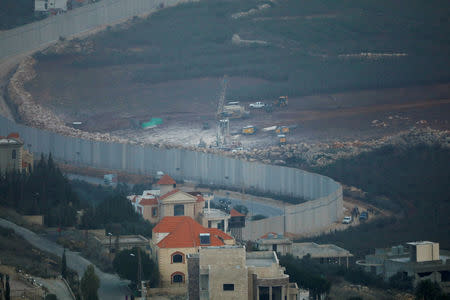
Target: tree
[
  {"x": 64, "y": 265},
  {"x": 126, "y": 265},
  {"x": 241, "y": 208},
  {"x": 401, "y": 281},
  {"x": 89, "y": 284},
  {"x": 428, "y": 290},
  {"x": 7, "y": 289},
  {"x": 258, "y": 217}
]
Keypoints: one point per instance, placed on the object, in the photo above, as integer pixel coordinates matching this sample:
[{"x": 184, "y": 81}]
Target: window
[
  {"x": 276, "y": 293},
  {"x": 177, "y": 277},
  {"x": 178, "y": 210},
  {"x": 14, "y": 154},
  {"x": 228, "y": 287},
  {"x": 154, "y": 211},
  {"x": 205, "y": 239},
  {"x": 177, "y": 257},
  {"x": 264, "y": 293},
  {"x": 221, "y": 225}
]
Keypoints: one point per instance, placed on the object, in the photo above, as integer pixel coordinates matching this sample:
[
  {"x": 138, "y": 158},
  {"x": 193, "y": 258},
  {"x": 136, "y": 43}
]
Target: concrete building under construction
[{"x": 420, "y": 260}]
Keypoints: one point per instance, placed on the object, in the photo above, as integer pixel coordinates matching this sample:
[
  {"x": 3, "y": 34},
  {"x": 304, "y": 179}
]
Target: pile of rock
[
  {"x": 322, "y": 154},
  {"x": 70, "y": 46},
  {"x": 35, "y": 115}
]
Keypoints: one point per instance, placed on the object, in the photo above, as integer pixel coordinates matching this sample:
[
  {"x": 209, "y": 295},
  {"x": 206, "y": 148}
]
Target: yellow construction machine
[
  {"x": 282, "y": 129},
  {"x": 247, "y": 130},
  {"x": 282, "y": 101},
  {"x": 281, "y": 139}
]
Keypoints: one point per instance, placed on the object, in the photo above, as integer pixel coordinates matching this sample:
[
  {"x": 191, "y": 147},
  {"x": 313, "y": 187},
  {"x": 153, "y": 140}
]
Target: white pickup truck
[{"x": 257, "y": 105}]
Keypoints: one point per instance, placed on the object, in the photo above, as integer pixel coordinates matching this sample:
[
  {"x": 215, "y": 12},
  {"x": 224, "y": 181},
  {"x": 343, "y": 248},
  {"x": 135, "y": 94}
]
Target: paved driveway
[{"x": 111, "y": 286}]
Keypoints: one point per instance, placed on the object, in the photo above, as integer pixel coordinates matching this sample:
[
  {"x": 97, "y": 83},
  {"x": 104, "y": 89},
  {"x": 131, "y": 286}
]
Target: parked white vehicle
[
  {"x": 236, "y": 150},
  {"x": 257, "y": 105},
  {"x": 347, "y": 220}
]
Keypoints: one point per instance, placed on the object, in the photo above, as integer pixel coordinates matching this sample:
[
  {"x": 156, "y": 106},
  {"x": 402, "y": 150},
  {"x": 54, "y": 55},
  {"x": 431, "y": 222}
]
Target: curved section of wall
[
  {"x": 307, "y": 218},
  {"x": 37, "y": 34}
]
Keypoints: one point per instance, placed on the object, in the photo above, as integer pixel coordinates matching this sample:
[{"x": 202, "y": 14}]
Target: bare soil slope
[{"x": 372, "y": 69}]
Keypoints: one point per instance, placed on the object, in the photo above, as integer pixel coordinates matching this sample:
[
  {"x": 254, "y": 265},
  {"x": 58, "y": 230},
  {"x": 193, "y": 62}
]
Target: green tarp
[{"x": 152, "y": 123}]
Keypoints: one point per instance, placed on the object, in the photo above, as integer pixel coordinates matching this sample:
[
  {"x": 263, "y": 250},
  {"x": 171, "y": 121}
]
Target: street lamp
[{"x": 139, "y": 269}]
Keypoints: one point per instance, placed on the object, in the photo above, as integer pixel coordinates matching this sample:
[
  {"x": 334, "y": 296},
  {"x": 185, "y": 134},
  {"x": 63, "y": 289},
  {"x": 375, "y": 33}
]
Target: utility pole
[{"x": 139, "y": 274}]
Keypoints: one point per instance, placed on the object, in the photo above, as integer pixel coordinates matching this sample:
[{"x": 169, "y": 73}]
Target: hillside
[
  {"x": 170, "y": 64},
  {"x": 412, "y": 181}
]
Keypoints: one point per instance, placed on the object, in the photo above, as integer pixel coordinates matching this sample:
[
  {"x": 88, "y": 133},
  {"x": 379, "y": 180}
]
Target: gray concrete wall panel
[
  {"x": 38, "y": 34},
  {"x": 325, "y": 203}
]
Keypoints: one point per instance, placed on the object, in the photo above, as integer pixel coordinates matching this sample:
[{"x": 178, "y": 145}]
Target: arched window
[
  {"x": 177, "y": 258},
  {"x": 14, "y": 154},
  {"x": 177, "y": 277}
]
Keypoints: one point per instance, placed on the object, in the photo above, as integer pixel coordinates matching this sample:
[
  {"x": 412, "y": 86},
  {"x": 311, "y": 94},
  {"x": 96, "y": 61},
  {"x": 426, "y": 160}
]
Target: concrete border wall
[
  {"x": 307, "y": 218},
  {"x": 38, "y": 34},
  {"x": 325, "y": 195}
]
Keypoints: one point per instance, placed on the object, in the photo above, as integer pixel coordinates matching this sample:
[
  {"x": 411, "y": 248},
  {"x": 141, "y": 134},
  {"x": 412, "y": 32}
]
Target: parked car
[
  {"x": 238, "y": 149},
  {"x": 347, "y": 220},
  {"x": 364, "y": 216},
  {"x": 257, "y": 105}
]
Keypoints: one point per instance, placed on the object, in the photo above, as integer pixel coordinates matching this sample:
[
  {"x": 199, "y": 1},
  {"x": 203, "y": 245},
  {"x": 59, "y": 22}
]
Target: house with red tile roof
[
  {"x": 154, "y": 205},
  {"x": 174, "y": 238},
  {"x": 236, "y": 223}
]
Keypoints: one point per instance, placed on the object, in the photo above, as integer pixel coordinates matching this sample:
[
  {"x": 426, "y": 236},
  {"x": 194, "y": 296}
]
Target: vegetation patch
[
  {"x": 415, "y": 179},
  {"x": 309, "y": 47}
]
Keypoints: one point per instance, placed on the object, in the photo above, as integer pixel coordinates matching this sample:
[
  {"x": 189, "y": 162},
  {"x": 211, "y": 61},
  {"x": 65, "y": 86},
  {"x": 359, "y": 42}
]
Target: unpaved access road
[{"x": 111, "y": 286}]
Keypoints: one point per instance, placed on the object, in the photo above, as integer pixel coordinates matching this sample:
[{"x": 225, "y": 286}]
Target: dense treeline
[
  {"x": 15, "y": 13},
  {"x": 45, "y": 191},
  {"x": 416, "y": 179},
  {"x": 110, "y": 209}
]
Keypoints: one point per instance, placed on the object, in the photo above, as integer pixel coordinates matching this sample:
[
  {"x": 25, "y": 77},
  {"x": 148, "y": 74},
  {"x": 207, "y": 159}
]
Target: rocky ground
[{"x": 324, "y": 127}]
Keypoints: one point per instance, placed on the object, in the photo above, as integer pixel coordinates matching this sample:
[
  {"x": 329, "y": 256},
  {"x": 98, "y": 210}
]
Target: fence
[{"x": 35, "y": 35}]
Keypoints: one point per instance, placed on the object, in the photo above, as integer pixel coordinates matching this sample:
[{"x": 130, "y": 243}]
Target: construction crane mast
[{"x": 223, "y": 125}]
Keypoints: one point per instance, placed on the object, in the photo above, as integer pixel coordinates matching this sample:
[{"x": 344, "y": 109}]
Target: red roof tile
[
  {"x": 184, "y": 232},
  {"x": 235, "y": 213},
  {"x": 219, "y": 233},
  {"x": 13, "y": 135},
  {"x": 148, "y": 201},
  {"x": 198, "y": 195},
  {"x": 166, "y": 179},
  {"x": 169, "y": 194}
]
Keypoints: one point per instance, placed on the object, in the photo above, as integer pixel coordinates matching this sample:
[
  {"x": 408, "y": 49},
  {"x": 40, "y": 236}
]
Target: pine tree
[
  {"x": 64, "y": 265},
  {"x": 7, "y": 289},
  {"x": 89, "y": 284}
]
